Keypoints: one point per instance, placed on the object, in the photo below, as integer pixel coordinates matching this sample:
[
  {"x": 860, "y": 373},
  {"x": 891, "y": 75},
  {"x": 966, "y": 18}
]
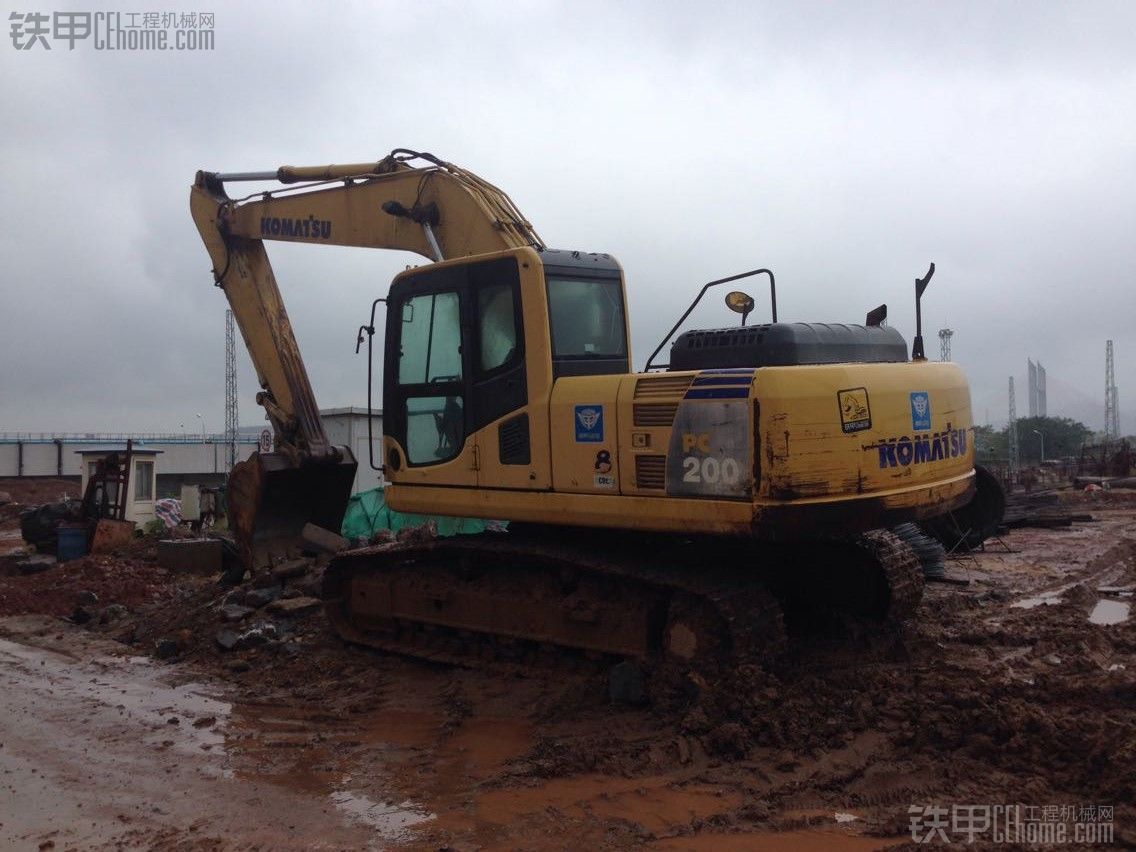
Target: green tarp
[{"x": 368, "y": 513}]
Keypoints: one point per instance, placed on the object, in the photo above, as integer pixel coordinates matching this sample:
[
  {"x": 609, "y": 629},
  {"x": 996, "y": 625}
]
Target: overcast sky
[{"x": 844, "y": 145}]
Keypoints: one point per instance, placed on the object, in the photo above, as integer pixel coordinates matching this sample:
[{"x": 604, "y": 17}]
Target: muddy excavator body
[{"x": 655, "y": 514}]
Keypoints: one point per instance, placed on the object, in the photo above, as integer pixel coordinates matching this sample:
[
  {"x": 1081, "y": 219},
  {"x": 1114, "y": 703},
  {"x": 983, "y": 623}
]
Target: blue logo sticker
[
  {"x": 920, "y": 411},
  {"x": 589, "y": 424}
]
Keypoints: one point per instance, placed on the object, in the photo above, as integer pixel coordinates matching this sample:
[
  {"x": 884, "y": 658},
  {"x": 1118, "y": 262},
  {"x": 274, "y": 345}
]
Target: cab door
[
  {"x": 467, "y": 374},
  {"x": 426, "y": 380},
  {"x": 509, "y": 390}
]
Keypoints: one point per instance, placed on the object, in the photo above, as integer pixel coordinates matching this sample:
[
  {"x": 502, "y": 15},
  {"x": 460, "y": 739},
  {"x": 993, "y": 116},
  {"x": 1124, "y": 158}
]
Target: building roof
[
  {"x": 102, "y": 451},
  {"x": 332, "y": 412}
]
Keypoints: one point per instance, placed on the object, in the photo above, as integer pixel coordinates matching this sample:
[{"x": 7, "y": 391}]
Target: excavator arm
[{"x": 406, "y": 201}]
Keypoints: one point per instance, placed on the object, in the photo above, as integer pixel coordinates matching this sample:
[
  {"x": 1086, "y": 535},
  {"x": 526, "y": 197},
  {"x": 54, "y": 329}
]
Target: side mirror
[{"x": 740, "y": 303}]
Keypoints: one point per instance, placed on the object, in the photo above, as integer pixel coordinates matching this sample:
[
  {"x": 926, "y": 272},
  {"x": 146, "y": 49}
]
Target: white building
[
  {"x": 141, "y": 484},
  {"x": 347, "y": 427},
  {"x": 186, "y": 459}
]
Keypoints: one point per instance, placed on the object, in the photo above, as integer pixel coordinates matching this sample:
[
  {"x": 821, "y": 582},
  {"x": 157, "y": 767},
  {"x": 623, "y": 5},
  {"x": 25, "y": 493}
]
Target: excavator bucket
[{"x": 271, "y": 499}]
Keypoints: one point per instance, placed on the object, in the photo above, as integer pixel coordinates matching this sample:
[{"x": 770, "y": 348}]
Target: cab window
[
  {"x": 586, "y": 316},
  {"x": 431, "y": 339},
  {"x": 497, "y": 326}
]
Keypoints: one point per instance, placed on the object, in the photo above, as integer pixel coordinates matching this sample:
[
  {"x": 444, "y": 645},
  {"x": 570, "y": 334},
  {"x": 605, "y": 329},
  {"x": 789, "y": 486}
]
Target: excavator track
[
  {"x": 873, "y": 580},
  {"x": 528, "y": 599}
]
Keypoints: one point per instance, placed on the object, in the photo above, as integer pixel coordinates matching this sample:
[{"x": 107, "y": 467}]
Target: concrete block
[{"x": 190, "y": 555}]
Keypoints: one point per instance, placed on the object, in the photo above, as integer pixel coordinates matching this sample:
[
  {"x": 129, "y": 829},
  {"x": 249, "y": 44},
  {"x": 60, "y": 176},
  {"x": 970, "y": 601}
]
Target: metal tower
[
  {"x": 1111, "y": 414},
  {"x": 945, "y": 344},
  {"x": 1012, "y": 436},
  {"x": 1032, "y": 389},
  {"x": 231, "y": 420}
]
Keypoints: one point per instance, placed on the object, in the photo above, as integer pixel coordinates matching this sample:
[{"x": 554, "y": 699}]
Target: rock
[
  {"x": 113, "y": 613},
  {"x": 289, "y": 649},
  {"x": 36, "y": 564},
  {"x": 292, "y": 568},
  {"x": 295, "y": 606},
  {"x": 86, "y": 598},
  {"x": 293, "y": 592},
  {"x": 205, "y": 722},
  {"x": 82, "y": 615},
  {"x": 729, "y": 739},
  {"x": 256, "y": 598},
  {"x": 311, "y": 587},
  {"x": 227, "y": 639},
  {"x": 238, "y": 666},
  {"x": 683, "y": 747},
  {"x": 235, "y": 612},
  {"x": 264, "y": 580},
  {"x": 627, "y": 684},
  {"x": 235, "y": 597},
  {"x": 322, "y": 540},
  {"x": 758, "y": 811},
  {"x": 173, "y": 720},
  {"x": 696, "y": 722},
  {"x": 6, "y": 498},
  {"x": 165, "y": 649},
  {"x": 261, "y": 634},
  {"x": 418, "y": 535}
]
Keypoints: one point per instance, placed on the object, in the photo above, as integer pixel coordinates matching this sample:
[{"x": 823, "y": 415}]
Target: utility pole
[
  {"x": 1111, "y": 414},
  {"x": 231, "y": 420},
  {"x": 1012, "y": 436},
  {"x": 945, "y": 344}
]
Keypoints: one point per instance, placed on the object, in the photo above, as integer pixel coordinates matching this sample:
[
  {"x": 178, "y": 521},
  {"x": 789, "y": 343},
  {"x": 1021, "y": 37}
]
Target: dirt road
[{"x": 1004, "y": 692}]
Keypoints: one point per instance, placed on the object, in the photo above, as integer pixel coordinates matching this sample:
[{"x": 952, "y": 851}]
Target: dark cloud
[{"x": 843, "y": 146}]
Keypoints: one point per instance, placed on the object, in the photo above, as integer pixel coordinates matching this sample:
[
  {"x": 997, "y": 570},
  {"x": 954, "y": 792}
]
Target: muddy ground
[{"x": 1003, "y": 691}]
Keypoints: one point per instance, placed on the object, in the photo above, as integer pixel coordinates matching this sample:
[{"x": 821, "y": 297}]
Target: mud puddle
[
  {"x": 1110, "y": 612},
  {"x": 101, "y": 751},
  {"x": 399, "y": 771}
]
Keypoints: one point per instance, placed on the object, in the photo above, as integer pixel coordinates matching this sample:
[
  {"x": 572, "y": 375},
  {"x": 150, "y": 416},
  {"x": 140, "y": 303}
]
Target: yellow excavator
[{"x": 663, "y": 515}]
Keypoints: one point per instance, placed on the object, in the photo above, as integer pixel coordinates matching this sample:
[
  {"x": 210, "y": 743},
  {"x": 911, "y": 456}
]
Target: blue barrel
[{"x": 72, "y": 541}]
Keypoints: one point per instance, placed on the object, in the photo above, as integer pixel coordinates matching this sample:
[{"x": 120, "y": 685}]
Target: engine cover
[{"x": 786, "y": 344}]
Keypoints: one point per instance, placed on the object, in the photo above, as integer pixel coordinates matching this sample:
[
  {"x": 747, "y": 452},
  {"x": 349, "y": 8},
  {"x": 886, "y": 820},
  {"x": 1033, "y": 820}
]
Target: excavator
[{"x": 672, "y": 515}]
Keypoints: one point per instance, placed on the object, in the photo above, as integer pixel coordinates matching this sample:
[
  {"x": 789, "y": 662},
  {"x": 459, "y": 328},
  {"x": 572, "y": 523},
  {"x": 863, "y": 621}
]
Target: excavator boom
[{"x": 435, "y": 209}]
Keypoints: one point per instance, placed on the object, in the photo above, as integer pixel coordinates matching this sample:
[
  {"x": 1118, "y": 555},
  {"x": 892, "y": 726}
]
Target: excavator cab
[{"x": 472, "y": 349}]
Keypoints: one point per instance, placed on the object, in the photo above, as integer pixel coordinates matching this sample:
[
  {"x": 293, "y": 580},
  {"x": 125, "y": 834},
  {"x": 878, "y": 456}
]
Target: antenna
[{"x": 231, "y": 420}]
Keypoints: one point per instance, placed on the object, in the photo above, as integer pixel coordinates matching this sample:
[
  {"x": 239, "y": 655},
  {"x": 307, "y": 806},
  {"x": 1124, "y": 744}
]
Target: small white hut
[{"x": 141, "y": 487}]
